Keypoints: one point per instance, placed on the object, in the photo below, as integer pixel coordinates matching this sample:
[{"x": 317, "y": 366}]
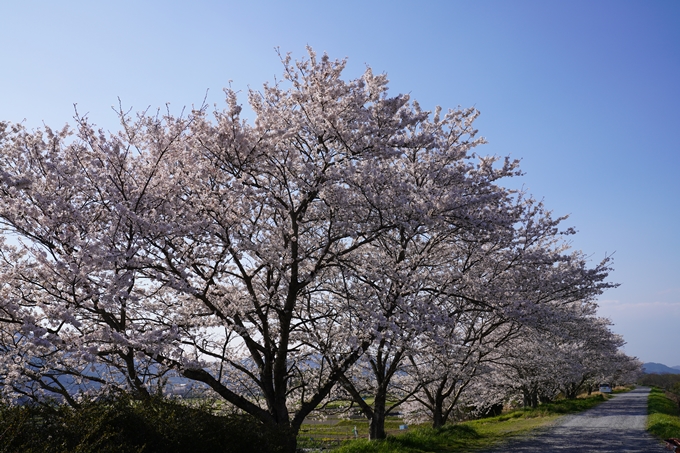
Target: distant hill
[
  {"x": 659, "y": 368},
  {"x": 676, "y": 367}
]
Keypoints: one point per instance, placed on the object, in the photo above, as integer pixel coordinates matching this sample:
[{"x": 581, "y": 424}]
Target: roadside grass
[
  {"x": 459, "y": 437},
  {"x": 664, "y": 414},
  {"x": 623, "y": 388}
]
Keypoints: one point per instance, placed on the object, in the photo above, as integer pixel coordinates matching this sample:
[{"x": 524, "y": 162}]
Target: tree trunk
[
  {"x": 543, "y": 399},
  {"x": 438, "y": 414},
  {"x": 571, "y": 391},
  {"x": 376, "y": 427},
  {"x": 287, "y": 439},
  {"x": 526, "y": 397},
  {"x": 530, "y": 397}
]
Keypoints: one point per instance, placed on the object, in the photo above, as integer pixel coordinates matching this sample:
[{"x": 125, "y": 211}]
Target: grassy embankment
[
  {"x": 664, "y": 414},
  {"x": 458, "y": 437}
]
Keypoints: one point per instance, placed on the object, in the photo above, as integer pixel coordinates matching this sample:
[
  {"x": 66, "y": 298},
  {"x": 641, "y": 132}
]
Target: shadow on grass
[
  {"x": 419, "y": 440},
  {"x": 472, "y": 434}
]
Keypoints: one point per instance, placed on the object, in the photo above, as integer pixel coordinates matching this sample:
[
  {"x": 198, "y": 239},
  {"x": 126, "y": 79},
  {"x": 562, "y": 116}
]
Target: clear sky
[{"x": 586, "y": 93}]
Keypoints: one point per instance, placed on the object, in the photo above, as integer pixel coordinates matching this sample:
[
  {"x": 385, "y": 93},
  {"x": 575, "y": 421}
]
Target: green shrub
[
  {"x": 127, "y": 426},
  {"x": 676, "y": 388}
]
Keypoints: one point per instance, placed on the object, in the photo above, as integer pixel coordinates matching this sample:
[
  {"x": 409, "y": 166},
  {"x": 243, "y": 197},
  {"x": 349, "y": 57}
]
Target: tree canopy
[{"x": 345, "y": 242}]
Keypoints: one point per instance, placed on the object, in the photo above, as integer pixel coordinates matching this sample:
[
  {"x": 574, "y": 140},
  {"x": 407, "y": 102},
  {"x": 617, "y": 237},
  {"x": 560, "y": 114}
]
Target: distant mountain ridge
[{"x": 659, "y": 368}]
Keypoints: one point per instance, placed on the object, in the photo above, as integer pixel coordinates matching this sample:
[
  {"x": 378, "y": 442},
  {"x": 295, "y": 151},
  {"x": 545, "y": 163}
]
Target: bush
[{"x": 127, "y": 426}]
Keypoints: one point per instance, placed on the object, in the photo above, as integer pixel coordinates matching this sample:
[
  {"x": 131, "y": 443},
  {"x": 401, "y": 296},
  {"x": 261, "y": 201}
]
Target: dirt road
[{"x": 617, "y": 425}]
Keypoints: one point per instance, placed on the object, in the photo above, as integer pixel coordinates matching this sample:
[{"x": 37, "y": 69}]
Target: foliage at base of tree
[
  {"x": 664, "y": 414},
  {"x": 127, "y": 426}
]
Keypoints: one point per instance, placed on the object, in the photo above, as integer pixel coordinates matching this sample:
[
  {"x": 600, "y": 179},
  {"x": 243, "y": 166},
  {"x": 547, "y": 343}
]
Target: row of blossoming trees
[{"x": 344, "y": 244}]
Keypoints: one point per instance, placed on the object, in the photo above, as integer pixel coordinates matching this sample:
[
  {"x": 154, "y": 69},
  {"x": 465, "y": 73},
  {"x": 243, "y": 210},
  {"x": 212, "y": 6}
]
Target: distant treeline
[{"x": 669, "y": 382}]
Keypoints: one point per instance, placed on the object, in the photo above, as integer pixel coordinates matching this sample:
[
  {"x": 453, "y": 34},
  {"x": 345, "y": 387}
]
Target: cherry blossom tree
[
  {"x": 71, "y": 276},
  {"x": 507, "y": 284},
  {"x": 589, "y": 352},
  {"x": 217, "y": 248},
  {"x": 406, "y": 269},
  {"x": 568, "y": 358},
  {"x": 271, "y": 260},
  {"x": 449, "y": 363},
  {"x": 621, "y": 370}
]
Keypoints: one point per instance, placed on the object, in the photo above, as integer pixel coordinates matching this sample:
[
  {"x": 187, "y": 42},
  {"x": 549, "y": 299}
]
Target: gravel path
[{"x": 617, "y": 425}]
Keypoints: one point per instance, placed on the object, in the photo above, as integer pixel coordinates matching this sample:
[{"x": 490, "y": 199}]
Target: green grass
[
  {"x": 453, "y": 437},
  {"x": 458, "y": 437},
  {"x": 664, "y": 415}
]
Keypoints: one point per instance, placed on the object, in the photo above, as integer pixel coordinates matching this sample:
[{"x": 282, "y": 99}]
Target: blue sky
[{"x": 586, "y": 93}]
